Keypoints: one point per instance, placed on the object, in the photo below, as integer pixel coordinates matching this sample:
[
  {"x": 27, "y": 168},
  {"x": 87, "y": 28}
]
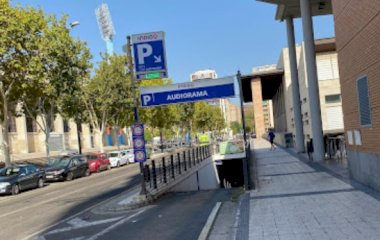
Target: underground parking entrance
[{"x": 230, "y": 173}]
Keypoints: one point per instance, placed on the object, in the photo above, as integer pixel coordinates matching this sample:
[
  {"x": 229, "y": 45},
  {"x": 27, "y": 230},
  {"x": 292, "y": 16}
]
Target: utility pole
[
  {"x": 246, "y": 143},
  {"x": 136, "y": 114}
]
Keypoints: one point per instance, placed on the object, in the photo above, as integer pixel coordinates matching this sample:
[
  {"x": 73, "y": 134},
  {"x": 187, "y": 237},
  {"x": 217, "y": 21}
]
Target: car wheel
[
  {"x": 118, "y": 164},
  {"x": 40, "y": 183},
  {"x": 15, "y": 189},
  {"x": 87, "y": 172},
  {"x": 108, "y": 167},
  {"x": 98, "y": 170},
  {"x": 69, "y": 176}
]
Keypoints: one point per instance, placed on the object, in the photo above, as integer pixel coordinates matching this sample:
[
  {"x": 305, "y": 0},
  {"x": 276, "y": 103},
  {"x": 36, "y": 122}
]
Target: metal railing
[{"x": 162, "y": 170}]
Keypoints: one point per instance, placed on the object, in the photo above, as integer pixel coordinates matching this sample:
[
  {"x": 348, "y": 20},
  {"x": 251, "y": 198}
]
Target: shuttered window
[
  {"x": 334, "y": 118},
  {"x": 364, "y": 103},
  {"x": 327, "y": 66}
]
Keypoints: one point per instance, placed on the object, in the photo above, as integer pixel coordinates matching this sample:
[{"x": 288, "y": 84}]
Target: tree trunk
[
  {"x": 47, "y": 136},
  {"x": 100, "y": 138},
  {"x": 117, "y": 138},
  {"x": 5, "y": 135}
]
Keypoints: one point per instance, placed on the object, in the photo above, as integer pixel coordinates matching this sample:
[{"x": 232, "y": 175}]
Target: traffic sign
[
  {"x": 199, "y": 90},
  {"x": 138, "y": 142},
  {"x": 149, "y": 55}
]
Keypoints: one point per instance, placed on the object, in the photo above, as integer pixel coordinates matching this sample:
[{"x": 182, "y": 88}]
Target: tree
[
  {"x": 108, "y": 95},
  {"x": 65, "y": 62},
  {"x": 236, "y": 127},
  {"x": 20, "y": 65}
]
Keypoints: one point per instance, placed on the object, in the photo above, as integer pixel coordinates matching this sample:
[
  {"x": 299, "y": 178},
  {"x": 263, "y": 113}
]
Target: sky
[{"x": 223, "y": 35}]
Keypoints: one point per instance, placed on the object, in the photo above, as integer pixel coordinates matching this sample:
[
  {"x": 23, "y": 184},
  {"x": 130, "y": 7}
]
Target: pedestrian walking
[{"x": 271, "y": 137}]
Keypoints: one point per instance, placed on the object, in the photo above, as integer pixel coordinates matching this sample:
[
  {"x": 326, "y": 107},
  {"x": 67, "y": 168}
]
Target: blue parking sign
[{"x": 149, "y": 54}]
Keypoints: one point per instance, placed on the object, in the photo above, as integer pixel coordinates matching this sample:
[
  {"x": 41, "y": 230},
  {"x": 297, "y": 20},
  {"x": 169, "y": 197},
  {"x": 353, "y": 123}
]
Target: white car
[
  {"x": 130, "y": 155},
  {"x": 117, "y": 158}
]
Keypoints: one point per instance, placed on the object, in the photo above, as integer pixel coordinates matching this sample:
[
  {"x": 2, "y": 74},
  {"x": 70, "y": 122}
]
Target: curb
[{"x": 210, "y": 222}]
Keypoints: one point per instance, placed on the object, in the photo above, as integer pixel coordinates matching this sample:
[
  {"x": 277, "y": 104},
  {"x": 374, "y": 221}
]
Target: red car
[{"x": 98, "y": 162}]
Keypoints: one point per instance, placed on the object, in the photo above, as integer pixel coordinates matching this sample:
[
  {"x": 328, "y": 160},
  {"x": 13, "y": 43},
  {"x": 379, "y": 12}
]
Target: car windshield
[
  {"x": 59, "y": 162},
  {"x": 92, "y": 157},
  {"x": 113, "y": 154},
  {"x": 9, "y": 171}
]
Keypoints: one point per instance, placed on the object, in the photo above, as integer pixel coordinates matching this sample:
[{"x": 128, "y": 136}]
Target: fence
[{"x": 161, "y": 171}]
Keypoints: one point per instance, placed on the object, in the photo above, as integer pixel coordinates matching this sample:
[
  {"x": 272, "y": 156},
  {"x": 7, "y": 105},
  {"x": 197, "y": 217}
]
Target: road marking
[
  {"x": 122, "y": 221},
  {"x": 78, "y": 223},
  {"x": 77, "y": 214},
  {"x": 210, "y": 221}
]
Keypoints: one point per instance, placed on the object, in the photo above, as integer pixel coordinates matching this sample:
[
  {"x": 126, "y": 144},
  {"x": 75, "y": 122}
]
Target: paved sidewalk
[{"x": 298, "y": 201}]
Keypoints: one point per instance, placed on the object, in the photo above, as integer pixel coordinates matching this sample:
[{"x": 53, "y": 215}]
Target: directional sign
[
  {"x": 149, "y": 55},
  {"x": 199, "y": 90},
  {"x": 138, "y": 142}
]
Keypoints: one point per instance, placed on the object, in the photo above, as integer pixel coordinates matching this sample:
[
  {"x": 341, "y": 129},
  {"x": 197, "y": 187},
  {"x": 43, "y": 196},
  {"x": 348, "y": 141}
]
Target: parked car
[
  {"x": 67, "y": 168},
  {"x": 17, "y": 178},
  {"x": 118, "y": 158},
  {"x": 129, "y": 154},
  {"x": 69, "y": 152},
  {"x": 98, "y": 162}
]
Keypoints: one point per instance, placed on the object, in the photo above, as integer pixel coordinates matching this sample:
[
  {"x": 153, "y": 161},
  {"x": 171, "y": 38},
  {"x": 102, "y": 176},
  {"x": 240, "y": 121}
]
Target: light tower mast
[{"x": 106, "y": 27}]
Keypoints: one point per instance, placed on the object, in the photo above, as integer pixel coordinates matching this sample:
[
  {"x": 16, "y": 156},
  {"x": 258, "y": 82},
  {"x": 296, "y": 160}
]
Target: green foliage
[
  {"x": 107, "y": 95},
  {"x": 236, "y": 127},
  {"x": 208, "y": 118}
]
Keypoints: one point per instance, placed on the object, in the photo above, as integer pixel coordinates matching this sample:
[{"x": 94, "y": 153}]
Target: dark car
[
  {"x": 17, "y": 178},
  {"x": 67, "y": 168}
]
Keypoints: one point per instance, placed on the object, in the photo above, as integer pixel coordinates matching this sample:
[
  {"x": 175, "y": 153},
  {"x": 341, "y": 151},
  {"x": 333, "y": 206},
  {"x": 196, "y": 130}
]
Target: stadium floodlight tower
[{"x": 107, "y": 30}]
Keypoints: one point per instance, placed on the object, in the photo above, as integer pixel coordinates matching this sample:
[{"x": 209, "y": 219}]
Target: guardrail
[{"x": 162, "y": 170}]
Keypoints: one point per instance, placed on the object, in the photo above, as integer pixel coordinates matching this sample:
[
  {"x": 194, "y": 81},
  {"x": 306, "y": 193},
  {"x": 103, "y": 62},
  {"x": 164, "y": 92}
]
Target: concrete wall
[
  {"x": 365, "y": 168},
  {"x": 205, "y": 178}
]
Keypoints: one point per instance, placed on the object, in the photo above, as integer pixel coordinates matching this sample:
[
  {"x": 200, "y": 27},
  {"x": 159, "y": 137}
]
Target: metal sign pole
[
  {"x": 246, "y": 143},
  {"x": 136, "y": 116}
]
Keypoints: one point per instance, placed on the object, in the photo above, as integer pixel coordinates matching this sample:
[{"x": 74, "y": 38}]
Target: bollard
[
  {"x": 184, "y": 160},
  {"x": 179, "y": 162},
  {"x": 172, "y": 165},
  {"x": 189, "y": 158},
  {"x": 154, "y": 174},
  {"x": 194, "y": 157},
  {"x": 164, "y": 170}
]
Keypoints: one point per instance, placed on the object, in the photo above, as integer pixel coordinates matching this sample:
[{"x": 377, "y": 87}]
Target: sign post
[{"x": 136, "y": 116}]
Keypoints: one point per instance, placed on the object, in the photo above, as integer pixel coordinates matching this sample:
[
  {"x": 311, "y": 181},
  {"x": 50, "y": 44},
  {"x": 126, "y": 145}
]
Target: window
[
  {"x": 12, "y": 124},
  {"x": 364, "y": 104},
  {"x": 66, "y": 126},
  {"x": 333, "y": 98},
  {"x": 31, "y": 125}
]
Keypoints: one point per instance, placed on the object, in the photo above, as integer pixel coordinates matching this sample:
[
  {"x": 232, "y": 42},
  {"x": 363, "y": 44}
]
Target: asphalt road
[
  {"x": 175, "y": 216},
  {"x": 33, "y": 211}
]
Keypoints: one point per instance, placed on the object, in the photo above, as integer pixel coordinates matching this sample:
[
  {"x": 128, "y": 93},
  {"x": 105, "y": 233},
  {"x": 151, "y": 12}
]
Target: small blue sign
[
  {"x": 187, "y": 95},
  {"x": 138, "y": 142}
]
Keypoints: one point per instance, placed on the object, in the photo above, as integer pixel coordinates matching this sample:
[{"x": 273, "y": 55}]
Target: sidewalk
[{"x": 296, "y": 200}]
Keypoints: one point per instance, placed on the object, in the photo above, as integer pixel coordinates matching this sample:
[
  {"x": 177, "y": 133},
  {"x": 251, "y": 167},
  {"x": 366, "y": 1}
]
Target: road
[
  {"x": 174, "y": 216},
  {"x": 35, "y": 210}
]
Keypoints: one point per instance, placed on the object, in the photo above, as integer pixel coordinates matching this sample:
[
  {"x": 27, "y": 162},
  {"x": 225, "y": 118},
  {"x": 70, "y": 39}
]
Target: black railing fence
[{"x": 161, "y": 170}]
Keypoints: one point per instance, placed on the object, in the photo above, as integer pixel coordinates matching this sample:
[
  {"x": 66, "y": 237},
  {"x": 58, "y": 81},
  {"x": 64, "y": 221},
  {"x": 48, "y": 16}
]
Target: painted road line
[
  {"x": 77, "y": 214},
  {"x": 210, "y": 222},
  {"x": 122, "y": 221},
  {"x": 78, "y": 223}
]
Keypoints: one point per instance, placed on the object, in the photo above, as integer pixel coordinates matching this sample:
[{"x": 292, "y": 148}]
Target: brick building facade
[{"x": 358, "y": 44}]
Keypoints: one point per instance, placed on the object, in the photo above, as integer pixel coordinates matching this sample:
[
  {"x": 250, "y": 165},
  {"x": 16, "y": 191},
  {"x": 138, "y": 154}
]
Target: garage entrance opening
[{"x": 230, "y": 172}]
